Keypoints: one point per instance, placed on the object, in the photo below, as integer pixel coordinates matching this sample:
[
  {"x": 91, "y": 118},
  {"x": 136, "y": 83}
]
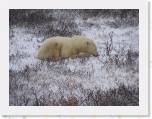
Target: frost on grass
[{"x": 110, "y": 79}]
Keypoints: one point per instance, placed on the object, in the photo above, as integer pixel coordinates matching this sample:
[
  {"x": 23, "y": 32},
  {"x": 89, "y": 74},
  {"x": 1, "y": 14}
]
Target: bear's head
[{"x": 91, "y": 48}]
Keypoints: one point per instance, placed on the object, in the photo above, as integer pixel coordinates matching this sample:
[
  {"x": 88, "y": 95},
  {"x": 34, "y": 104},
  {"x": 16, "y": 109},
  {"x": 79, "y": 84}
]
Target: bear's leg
[
  {"x": 56, "y": 59},
  {"x": 65, "y": 54},
  {"x": 83, "y": 54},
  {"x": 74, "y": 56},
  {"x": 56, "y": 56}
]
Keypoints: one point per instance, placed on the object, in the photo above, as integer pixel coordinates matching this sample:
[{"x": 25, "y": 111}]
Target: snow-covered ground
[{"x": 33, "y": 81}]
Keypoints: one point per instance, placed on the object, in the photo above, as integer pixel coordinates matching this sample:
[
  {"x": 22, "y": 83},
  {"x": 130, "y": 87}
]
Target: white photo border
[{"x": 141, "y": 110}]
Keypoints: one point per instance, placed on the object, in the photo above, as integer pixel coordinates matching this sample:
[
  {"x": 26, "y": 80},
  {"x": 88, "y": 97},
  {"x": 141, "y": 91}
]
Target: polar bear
[{"x": 56, "y": 48}]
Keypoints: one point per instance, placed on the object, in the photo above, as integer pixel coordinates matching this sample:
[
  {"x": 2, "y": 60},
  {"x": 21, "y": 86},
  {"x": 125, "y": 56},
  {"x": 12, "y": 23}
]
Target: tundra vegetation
[{"x": 111, "y": 79}]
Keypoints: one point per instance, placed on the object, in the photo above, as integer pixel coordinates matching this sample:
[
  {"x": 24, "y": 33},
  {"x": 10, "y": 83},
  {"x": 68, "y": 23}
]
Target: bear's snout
[{"x": 96, "y": 54}]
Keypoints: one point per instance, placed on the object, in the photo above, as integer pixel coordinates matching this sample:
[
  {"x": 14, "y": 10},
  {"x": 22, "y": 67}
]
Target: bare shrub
[
  {"x": 109, "y": 44},
  {"x": 121, "y": 96}
]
